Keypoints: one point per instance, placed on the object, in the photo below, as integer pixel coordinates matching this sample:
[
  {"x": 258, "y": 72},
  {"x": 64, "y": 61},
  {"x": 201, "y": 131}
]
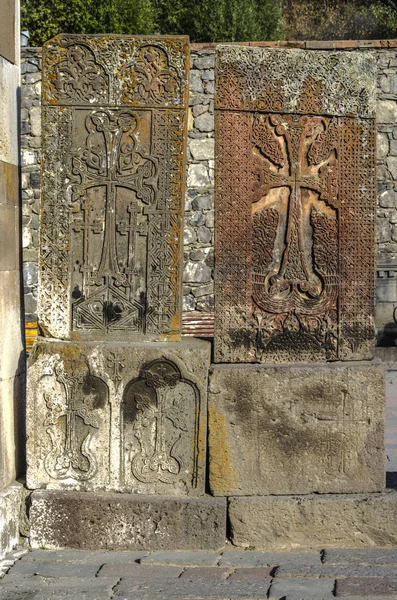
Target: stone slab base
[
  {"x": 94, "y": 521},
  {"x": 314, "y": 522},
  {"x": 296, "y": 429},
  {"x": 10, "y": 509},
  {"x": 113, "y": 416}
]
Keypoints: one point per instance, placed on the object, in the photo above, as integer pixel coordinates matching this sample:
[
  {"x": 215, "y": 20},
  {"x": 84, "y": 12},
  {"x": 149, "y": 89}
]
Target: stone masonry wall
[{"x": 199, "y": 205}]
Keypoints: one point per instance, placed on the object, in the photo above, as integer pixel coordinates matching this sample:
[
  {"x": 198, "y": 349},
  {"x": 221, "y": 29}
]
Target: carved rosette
[
  {"x": 286, "y": 270},
  {"x": 114, "y": 151}
]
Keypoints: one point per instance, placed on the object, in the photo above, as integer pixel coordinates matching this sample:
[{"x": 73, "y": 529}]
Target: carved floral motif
[
  {"x": 293, "y": 152},
  {"x": 161, "y": 409},
  {"x": 74, "y": 413}
]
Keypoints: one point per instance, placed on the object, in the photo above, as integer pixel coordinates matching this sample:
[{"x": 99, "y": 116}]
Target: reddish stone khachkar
[{"x": 295, "y": 205}]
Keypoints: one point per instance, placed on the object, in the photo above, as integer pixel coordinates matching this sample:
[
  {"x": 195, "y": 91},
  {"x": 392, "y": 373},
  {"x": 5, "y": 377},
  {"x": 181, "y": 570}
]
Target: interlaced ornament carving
[
  {"x": 74, "y": 414},
  {"x": 110, "y": 160},
  {"x": 289, "y": 231},
  {"x": 113, "y": 186},
  {"x": 161, "y": 411},
  {"x": 295, "y": 81},
  {"x": 118, "y": 70}
]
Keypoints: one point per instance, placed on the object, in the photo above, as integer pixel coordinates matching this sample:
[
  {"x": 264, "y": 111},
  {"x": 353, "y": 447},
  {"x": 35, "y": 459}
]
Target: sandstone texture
[
  {"x": 126, "y": 522},
  {"x": 118, "y": 416},
  {"x": 297, "y": 429},
  {"x": 314, "y": 522}
]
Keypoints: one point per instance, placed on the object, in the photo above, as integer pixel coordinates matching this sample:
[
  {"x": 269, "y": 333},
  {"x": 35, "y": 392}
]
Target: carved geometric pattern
[
  {"x": 114, "y": 146},
  {"x": 295, "y": 193},
  {"x": 295, "y": 81}
]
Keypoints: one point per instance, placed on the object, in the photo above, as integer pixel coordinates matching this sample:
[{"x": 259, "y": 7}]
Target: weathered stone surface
[
  {"x": 314, "y": 522},
  {"x": 202, "y": 149},
  {"x": 367, "y": 556},
  {"x": 184, "y": 588},
  {"x": 367, "y": 586},
  {"x": 335, "y": 571},
  {"x": 118, "y": 416},
  {"x": 139, "y": 572},
  {"x": 126, "y": 522},
  {"x": 253, "y": 559},
  {"x": 113, "y": 186},
  {"x": 191, "y": 559},
  {"x": 10, "y": 508},
  {"x": 296, "y": 589},
  {"x": 295, "y": 197},
  {"x": 296, "y": 429}
]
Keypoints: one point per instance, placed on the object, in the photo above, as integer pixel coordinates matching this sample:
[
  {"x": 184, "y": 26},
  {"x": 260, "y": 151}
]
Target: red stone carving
[{"x": 295, "y": 202}]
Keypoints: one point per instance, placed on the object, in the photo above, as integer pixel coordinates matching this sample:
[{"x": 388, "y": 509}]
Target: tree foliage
[
  {"x": 340, "y": 19},
  {"x": 202, "y": 20}
]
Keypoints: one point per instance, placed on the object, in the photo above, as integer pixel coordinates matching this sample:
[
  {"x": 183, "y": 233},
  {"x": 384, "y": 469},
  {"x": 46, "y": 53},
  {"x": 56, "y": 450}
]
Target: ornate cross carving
[{"x": 294, "y": 153}]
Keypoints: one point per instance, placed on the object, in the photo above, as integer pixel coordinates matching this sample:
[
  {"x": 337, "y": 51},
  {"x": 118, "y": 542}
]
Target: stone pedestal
[
  {"x": 126, "y": 522},
  {"x": 314, "y": 522},
  {"x": 118, "y": 416},
  {"x": 296, "y": 429}
]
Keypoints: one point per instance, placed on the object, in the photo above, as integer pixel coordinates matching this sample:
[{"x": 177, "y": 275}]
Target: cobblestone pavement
[{"x": 249, "y": 575}]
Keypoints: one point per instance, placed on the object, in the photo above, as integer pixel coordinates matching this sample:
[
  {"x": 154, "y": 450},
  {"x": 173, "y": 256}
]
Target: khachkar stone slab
[
  {"x": 295, "y": 205},
  {"x": 314, "y": 522},
  {"x": 296, "y": 429},
  {"x": 117, "y": 416},
  {"x": 114, "y": 121},
  {"x": 94, "y": 521}
]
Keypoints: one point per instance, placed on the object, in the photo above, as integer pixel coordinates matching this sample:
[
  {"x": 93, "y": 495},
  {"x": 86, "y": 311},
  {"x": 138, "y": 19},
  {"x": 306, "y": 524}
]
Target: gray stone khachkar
[
  {"x": 295, "y": 205},
  {"x": 114, "y": 120},
  {"x": 295, "y": 264},
  {"x": 116, "y": 401}
]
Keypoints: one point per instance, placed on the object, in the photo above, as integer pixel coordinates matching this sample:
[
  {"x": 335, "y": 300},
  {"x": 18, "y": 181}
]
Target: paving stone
[
  {"x": 298, "y": 589},
  {"x": 366, "y": 586},
  {"x": 64, "y": 556},
  {"x": 135, "y": 571},
  {"x": 351, "y": 570},
  {"x": 372, "y": 556},
  {"x": 56, "y": 569},
  {"x": 269, "y": 559},
  {"x": 189, "y": 559},
  {"x": 29, "y": 587},
  {"x": 250, "y": 589},
  {"x": 252, "y": 573},
  {"x": 195, "y": 574}
]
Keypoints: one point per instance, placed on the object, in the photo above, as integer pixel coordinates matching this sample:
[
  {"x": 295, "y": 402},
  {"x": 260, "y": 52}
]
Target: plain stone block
[
  {"x": 10, "y": 507},
  {"x": 370, "y": 556},
  {"x": 296, "y": 589},
  {"x": 183, "y": 588},
  {"x": 9, "y": 77},
  {"x": 314, "y": 521},
  {"x": 366, "y": 586},
  {"x": 9, "y": 239},
  {"x": 12, "y": 359},
  {"x": 190, "y": 559},
  {"x": 126, "y": 522},
  {"x": 254, "y": 559},
  {"x": 296, "y": 430},
  {"x": 137, "y": 421}
]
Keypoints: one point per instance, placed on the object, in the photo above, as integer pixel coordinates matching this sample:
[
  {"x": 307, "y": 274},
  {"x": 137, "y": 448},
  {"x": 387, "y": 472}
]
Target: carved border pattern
[{"x": 286, "y": 81}]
